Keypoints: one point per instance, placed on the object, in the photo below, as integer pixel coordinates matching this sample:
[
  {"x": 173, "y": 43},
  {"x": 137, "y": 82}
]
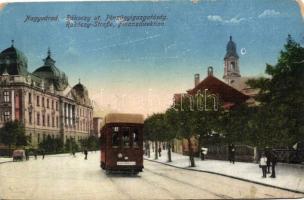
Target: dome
[
  {"x": 81, "y": 94},
  {"x": 13, "y": 61},
  {"x": 52, "y": 74},
  {"x": 231, "y": 49},
  {"x": 80, "y": 89}
]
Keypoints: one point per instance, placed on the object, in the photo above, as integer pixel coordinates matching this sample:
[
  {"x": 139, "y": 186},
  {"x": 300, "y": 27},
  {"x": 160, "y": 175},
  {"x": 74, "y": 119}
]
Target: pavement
[
  {"x": 63, "y": 177},
  {"x": 5, "y": 159},
  {"x": 289, "y": 176}
]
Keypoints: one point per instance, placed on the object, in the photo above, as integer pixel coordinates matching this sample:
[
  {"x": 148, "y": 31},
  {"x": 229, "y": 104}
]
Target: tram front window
[
  {"x": 126, "y": 137},
  {"x": 115, "y": 137},
  {"x": 135, "y": 138}
]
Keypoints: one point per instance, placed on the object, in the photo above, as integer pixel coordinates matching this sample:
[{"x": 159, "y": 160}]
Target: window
[
  {"x": 38, "y": 138},
  {"x": 30, "y": 98},
  {"x": 7, "y": 116},
  {"x": 6, "y": 96},
  {"x": 126, "y": 137},
  {"x": 48, "y": 120},
  {"x": 57, "y": 122},
  {"x": 53, "y": 122},
  {"x": 42, "y": 101},
  {"x": 135, "y": 138},
  {"x": 56, "y": 105},
  {"x": 30, "y": 118},
  {"x": 47, "y": 103},
  {"x": 115, "y": 137},
  {"x": 43, "y": 120},
  {"x": 52, "y": 104},
  {"x": 38, "y": 100},
  {"x": 38, "y": 119}
]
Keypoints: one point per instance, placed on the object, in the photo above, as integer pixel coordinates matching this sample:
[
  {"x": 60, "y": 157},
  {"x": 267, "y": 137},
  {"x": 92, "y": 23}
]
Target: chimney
[
  {"x": 196, "y": 79},
  {"x": 210, "y": 71}
]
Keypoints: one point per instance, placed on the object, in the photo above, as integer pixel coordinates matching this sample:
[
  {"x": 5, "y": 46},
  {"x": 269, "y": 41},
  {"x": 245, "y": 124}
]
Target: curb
[
  {"x": 5, "y": 162},
  {"x": 234, "y": 177}
]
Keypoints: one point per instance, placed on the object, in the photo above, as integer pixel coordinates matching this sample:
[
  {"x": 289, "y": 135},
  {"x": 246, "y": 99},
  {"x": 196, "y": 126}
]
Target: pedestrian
[
  {"x": 43, "y": 153},
  {"x": 263, "y": 164},
  {"x": 232, "y": 153},
  {"x": 229, "y": 152},
  {"x": 73, "y": 152},
  {"x": 202, "y": 154},
  {"x": 85, "y": 154},
  {"x": 35, "y": 154},
  {"x": 273, "y": 164},
  {"x": 27, "y": 155},
  {"x": 268, "y": 156},
  {"x": 159, "y": 151}
]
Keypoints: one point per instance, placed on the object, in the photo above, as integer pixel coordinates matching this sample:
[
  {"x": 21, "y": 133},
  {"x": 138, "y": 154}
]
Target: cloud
[
  {"x": 269, "y": 13},
  {"x": 301, "y": 5},
  {"x": 217, "y": 18}
]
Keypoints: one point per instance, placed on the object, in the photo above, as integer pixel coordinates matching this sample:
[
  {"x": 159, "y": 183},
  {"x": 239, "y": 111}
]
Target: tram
[{"x": 121, "y": 143}]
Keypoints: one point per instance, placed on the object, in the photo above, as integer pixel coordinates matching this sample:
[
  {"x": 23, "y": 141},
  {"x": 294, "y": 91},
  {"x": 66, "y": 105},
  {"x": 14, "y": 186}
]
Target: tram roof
[{"x": 123, "y": 118}]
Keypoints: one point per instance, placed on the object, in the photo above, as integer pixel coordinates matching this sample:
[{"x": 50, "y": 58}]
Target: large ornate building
[{"x": 43, "y": 99}]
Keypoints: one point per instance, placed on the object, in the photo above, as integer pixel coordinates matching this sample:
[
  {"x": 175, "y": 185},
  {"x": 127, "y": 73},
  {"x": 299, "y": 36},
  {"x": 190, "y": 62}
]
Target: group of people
[
  {"x": 85, "y": 152},
  {"x": 35, "y": 153},
  {"x": 268, "y": 158}
]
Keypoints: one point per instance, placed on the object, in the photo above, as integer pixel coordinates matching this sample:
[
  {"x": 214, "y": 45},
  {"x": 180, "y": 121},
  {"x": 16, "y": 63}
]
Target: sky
[{"x": 138, "y": 69}]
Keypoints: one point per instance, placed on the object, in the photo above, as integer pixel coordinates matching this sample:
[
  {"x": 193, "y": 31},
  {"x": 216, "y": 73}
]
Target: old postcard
[{"x": 193, "y": 99}]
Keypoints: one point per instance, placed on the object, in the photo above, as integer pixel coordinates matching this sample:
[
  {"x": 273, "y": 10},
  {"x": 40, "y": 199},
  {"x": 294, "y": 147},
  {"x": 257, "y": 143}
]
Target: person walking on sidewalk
[
  {"x": 263, "y": 164},
  {"x": 232, "y": 153},
  {"x": 273, "y": 164},
  {"x": 268, "y": 156},
  {"x": 159, "y": 151},
  {"x": 85, "y": 154},
  {"x": 43, "y": 153}
]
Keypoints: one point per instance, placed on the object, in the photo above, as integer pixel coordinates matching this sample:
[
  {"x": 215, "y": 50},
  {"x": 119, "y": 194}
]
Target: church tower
[{"x": 231, "y": 63}]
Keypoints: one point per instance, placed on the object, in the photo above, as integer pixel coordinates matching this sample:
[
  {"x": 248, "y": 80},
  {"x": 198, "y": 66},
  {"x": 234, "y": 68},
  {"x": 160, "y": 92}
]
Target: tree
[
  {"x": 170, "y": 120},
  {"x": 185, "y": 123},
  {"x": 281, "y": 98},
  {"x": 71, "y": 145},
  {"x": 52, "y": 145},
  {"x": 13, "y": 133},
  {"x": 155, "y": 129}
]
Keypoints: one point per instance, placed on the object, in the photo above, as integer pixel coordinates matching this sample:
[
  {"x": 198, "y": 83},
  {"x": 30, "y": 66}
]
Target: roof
[
  {"x": 226, "y": 93},
  {"x": 231, "y": 49},
  {"x": 13, "y": 61},
  {"x": 52, "y": 74},
  {"x": 123, "y": 118}
]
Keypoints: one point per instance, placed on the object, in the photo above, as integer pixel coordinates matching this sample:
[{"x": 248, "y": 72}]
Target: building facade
[{"x": 42, "y": 100}]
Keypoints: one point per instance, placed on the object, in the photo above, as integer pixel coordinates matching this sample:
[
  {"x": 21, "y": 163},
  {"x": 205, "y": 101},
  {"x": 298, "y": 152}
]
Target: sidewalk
[
  {"x": 290, "y": 177},
  {"x": 5, "y": 159}
]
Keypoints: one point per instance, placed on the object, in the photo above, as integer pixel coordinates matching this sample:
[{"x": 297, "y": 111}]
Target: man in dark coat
[
  {"x": 232, "y": 153},
  {"x": 159, "y": 151},
  {"x": 268, "y": 156},
  {"x": 273, "y": 164},
  {"x": 86, "y": 154},
  {"x": 229, "y": 153}
]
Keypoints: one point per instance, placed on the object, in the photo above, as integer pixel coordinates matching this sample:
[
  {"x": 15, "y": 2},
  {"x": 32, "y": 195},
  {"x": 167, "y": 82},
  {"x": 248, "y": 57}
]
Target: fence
[{"x": 243, "y": 153}]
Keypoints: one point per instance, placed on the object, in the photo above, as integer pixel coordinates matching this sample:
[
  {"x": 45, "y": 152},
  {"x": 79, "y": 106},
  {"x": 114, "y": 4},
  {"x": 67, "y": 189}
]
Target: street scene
[
  {"x": 68, "y": 177},
  {"x": 196, "y": 99}
]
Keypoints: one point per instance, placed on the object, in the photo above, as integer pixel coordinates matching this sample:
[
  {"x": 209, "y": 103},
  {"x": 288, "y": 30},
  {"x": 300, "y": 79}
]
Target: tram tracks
[{"x": 189, "y": 184}]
